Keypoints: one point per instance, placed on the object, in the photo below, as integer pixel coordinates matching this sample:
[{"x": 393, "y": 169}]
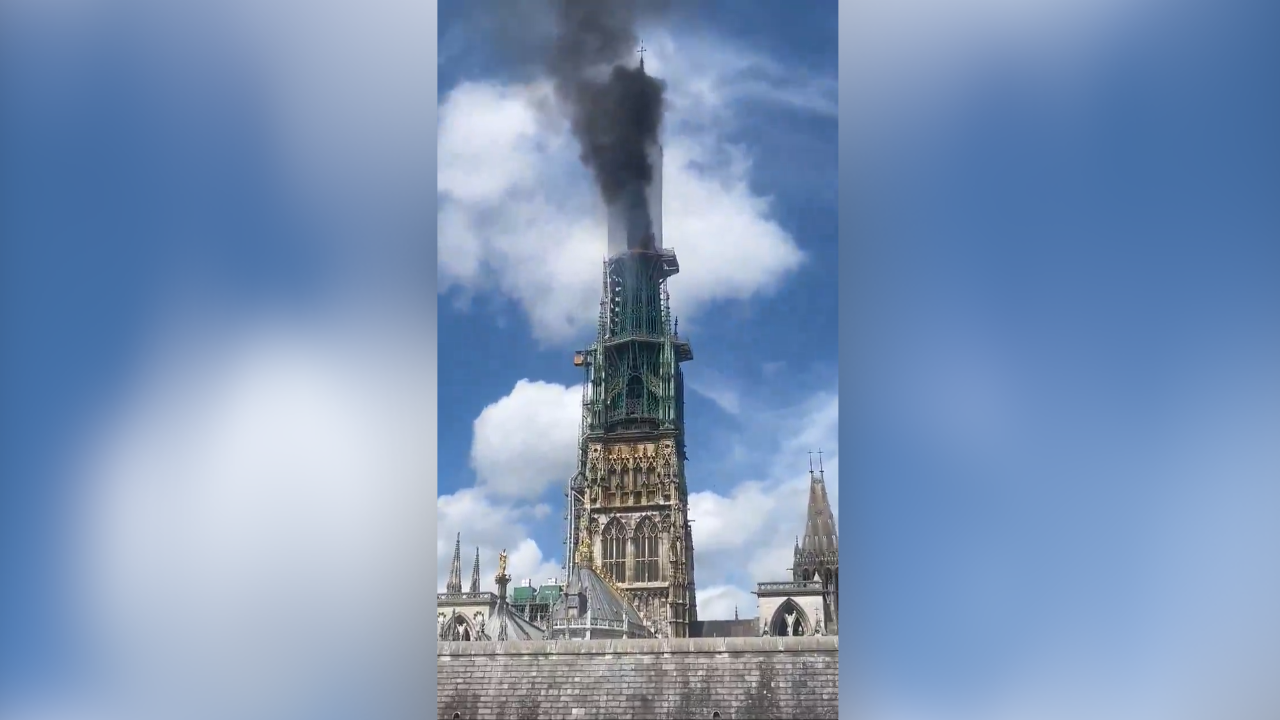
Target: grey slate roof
[
  {"x": 820, "y": 528},
  {"x": 606, "y": 604},
  {"x": 517, "y": 627}
]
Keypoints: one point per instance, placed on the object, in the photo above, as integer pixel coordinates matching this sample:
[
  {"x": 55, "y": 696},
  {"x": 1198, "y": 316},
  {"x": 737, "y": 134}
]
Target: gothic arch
[
  {"x": 778, "y": 625},
  {"x": 458, "y": 628},
  {"x": 645, "y": 551},
  {"x": 613, "y": 550}
]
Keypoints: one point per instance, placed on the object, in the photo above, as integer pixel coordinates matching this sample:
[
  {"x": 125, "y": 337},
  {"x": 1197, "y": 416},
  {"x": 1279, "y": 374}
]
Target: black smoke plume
[{"x": 614, "y": 113}]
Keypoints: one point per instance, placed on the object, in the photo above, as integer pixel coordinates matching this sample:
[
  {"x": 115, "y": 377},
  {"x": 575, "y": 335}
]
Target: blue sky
[{"x": 749, "y": 206}]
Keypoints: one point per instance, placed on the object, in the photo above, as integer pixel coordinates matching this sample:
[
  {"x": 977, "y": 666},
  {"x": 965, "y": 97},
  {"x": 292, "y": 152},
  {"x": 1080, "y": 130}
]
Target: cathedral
[
  {"x": 629, "y": 571},
  {"x": 589, "y": 604}
]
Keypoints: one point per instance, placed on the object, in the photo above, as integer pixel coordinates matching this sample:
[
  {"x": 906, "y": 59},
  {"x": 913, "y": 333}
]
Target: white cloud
[
  {"x": 523, "y": 444},
  {"x": 715, "y": 77},
  {"x": 721, "y": 602},
  {"x": 491, "y": 526},
  {"x": 518, "y": 212},
  {"x": 248, "y": 522},
  {"x": 716, "y": 389},
  {"x": 527, "y": 441},
  {"x": 748, "y": 534},
  {"x": 490, "y": 152}
]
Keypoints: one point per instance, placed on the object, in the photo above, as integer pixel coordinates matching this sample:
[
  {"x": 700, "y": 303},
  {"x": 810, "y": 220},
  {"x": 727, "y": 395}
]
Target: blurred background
[
  {"x": 1059, "y": 341},
  {"x": 1060, "y": 358},
  {"x": 217, "y": 434}
]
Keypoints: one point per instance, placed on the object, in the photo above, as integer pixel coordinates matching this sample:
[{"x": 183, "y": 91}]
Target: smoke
[{"x": 614, "y": 108}]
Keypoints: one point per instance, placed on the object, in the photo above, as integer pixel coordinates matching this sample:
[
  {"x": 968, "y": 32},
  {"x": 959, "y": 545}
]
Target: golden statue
[
  {"x": 584, "y": 549},
  {"x": 502, "y": 562}
]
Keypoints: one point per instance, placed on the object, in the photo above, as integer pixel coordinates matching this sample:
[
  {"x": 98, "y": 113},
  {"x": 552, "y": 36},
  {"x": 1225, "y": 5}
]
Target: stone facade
[
  {"x": 635, "y": 509},
  {"x": 790, "y": 608},
  {"x": 808, "y": 603},
  {"x": 791, "y": 677}
]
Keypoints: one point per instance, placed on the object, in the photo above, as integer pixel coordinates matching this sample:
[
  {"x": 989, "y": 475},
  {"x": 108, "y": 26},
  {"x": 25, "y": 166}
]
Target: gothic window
[
  {"x": 614, "y": 550},
  {"x": 458, "y": 629},
  {"x": 645, "y": 544},
  {"x": 789, "y": 620},
  {"x": 635, "y": 395}
]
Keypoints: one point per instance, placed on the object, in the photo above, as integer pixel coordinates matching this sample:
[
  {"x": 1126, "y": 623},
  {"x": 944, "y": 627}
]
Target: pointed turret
[
  {"x": 475, "y": 574},
  {"x": 820, "y": 526},
  {"x": 817, "y": 553},
  {"x": 455, "y": 568}
]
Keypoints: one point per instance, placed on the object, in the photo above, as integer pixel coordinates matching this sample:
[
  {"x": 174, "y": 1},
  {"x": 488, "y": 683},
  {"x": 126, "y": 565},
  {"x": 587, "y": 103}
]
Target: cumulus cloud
[
  {"x": 492, "y": 526},
  {"x": 528, "y": 440},
  {"x": 747, "y": 533},
  {"x": 519, "y": 215},
  {"x": 522, "y": 444}
]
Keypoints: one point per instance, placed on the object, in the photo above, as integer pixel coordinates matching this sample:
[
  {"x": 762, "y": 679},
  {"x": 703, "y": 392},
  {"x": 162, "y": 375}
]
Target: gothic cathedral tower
[
  {"x": 817, "y": 557},
  {"x": 629, "y": 501}
]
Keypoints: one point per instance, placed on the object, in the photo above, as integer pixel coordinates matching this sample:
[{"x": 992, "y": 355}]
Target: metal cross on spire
[
  {"x": 819, "y": 460},
  {"x": 810, "y": 461},
  {"x": 641, "y": 52}
]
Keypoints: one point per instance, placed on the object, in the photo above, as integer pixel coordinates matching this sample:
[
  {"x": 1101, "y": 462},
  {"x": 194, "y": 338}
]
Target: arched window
[
  {"x": 645, "y": 549},
  {"x": 635, "y": 394},
  {"x": 457, "y": 629},
  {"x": 788, "y": 620},
  {"x": 614, "y": 550}
]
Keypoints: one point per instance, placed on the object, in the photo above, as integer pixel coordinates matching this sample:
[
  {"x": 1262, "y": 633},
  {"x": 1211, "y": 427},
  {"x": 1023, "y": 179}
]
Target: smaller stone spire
[
  {"x": 475, "y": 574},
  {"x": 455, "y": 568},
  {"x": 820, "y": 524}
]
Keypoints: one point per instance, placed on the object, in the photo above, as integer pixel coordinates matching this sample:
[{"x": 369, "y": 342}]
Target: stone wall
[{"x": 759, "y": 677}]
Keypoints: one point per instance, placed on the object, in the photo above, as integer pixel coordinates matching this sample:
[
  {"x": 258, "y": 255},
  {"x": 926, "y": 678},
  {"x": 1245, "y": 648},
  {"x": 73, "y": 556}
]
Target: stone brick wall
[{"x": 758, "y": 677}]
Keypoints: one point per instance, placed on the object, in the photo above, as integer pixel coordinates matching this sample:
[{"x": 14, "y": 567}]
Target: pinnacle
[
  {"x": 475, "y": 574},
  {"x": 455, "y": 568}
]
